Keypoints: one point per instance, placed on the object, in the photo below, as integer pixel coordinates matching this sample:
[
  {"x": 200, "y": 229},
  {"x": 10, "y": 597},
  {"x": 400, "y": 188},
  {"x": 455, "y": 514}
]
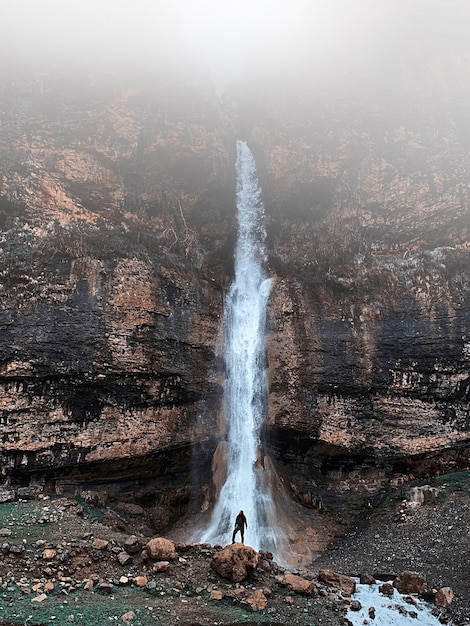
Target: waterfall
[{"x": 247, "y": 485}]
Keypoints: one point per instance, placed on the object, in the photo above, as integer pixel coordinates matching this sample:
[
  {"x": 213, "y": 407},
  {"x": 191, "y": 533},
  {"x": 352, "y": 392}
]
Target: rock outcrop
[{"x": 118, "y": 221}]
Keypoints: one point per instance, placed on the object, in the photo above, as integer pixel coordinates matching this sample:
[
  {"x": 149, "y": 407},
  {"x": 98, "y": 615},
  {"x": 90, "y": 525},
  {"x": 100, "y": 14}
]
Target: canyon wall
[{"x": 118, "y": 217}]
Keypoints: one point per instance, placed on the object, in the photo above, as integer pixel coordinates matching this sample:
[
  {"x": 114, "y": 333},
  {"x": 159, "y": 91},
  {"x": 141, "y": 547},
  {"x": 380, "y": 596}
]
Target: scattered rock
[
  {"x": 128, "y": 617},
  {"x": 333, "y": 579},
  {"x": 256, "y": 600},
  {"x": 140, "y": 581},
  {"x": 49, "y": 554},
  {"x": 386, "y": 589},
  {"x": 298, "y": 584},
  {"x": 100, "y": 544},
  {"x": 444, "y": 597},
  {"x": 40, "y": 598},
  {"x": 161, "y": 566},
  {"x": 133, "y": 545},
  {"x": 409, "y": 582},
  {"x": 216, "y": 594},
  {"x": 161, "y": 549},
  {"x": 124, "y": 558},
  {"x": 367, "y": 579}
]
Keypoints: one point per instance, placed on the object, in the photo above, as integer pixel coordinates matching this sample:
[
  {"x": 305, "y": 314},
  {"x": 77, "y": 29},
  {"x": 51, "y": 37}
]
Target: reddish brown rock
[
  {"x": 161, "y": 549},
  {"x": 298, "y": 584},
  {"x": 366, "y": 579},
  {"x": 128, "y": 617},
  {"x": 100, "y": 544},
  {"x": 409, "y": 582},
  {"x": 333, "y": 579},
  {"x": 387, "y": 589},
  {"x": 49, "y": 554},
  {"x": 235, "y": 562},
  {"x": 161, "y": 566},
  {"x": 257, "y": 600},
  {"x": 444, "y": 597}
]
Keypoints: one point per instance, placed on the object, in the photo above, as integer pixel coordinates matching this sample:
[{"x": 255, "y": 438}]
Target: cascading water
[{"x": 247, "y": 485}]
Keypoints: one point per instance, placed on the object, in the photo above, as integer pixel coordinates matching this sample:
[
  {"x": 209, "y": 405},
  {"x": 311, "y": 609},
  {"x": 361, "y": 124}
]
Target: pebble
[{"x": 39, "y": 598}]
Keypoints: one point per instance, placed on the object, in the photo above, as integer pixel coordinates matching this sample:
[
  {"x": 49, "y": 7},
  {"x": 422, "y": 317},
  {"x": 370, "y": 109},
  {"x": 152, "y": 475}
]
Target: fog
[{"x": 230, "y": 38}]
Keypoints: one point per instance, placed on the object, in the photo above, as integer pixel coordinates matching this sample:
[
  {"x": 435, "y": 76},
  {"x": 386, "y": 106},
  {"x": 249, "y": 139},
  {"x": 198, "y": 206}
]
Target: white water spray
[{"x": 246, "y": 486}]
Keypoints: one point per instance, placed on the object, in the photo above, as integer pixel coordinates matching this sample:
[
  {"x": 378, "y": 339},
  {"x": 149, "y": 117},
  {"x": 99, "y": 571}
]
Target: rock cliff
[{"x": 117, "y": 209}]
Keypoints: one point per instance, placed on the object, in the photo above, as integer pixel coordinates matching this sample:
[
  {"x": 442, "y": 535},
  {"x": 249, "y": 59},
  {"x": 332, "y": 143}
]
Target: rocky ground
[{"x": 60, "y": 564}]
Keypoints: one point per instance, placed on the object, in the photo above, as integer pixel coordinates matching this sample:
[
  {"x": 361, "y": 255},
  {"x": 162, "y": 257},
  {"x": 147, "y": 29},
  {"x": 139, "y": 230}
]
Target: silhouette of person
[{"x": 240, "y": 524}]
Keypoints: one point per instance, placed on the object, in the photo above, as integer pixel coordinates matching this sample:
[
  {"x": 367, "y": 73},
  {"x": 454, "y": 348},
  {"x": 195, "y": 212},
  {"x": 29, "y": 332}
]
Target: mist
[{"x": 336, "y": 41}]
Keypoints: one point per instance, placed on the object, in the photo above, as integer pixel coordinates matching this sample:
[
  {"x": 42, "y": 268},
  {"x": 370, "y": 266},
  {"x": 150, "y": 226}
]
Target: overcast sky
[{"x": 227, "y": 34}]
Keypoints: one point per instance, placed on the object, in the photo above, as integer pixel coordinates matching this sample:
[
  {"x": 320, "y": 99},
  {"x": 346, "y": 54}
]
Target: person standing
[{"x": 240, "y": 525}]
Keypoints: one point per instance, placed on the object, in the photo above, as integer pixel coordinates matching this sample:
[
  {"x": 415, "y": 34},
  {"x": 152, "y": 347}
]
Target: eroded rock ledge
[{"x": 118, "y": 221}]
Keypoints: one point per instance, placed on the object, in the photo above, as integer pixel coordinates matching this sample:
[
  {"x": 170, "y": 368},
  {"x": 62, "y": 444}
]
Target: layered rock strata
[{"x": 118, "y": 221}]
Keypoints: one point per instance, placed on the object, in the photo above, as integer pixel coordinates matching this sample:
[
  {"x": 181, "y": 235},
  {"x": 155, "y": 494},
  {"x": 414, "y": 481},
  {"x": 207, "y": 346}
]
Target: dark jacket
[{"x": 240, "y": 521}]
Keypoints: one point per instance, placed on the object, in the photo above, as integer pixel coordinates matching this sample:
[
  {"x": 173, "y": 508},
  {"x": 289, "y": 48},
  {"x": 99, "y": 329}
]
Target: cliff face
[
  {"x": 110, "y": 302},
  {"x": 118, "y": 222},
  {"x": 369, "y": 232}
]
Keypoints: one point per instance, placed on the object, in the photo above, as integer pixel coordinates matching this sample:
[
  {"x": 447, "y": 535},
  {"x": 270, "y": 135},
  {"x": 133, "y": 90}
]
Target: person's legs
[
  {"x": 242, "y": 532},
  {"x": 233, "y": 535}
]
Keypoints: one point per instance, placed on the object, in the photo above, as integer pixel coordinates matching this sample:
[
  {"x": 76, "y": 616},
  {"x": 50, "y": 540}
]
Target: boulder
[
  {"x": 235, "y": 562},
  {"x": 333, "y": 579},
  {"x": 409, "y": 582},
  {"x": 444, "y": 597},
  {"x": 298, "y": 584},
  {"x": 386, "y": 589},
  {"x": 367, "y": 579},
  {"x": 161, "y": 549}
]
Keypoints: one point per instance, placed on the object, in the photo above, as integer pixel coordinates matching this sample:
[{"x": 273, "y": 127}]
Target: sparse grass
[
  {"x": 85, "y": 608},
  {"x": 89, "y": 511},
  {"x": 455, "y": 481}
]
